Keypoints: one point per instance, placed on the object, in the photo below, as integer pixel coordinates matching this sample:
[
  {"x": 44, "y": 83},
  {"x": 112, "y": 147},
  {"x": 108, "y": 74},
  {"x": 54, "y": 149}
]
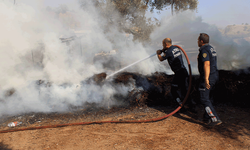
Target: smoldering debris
[
  {"x": 154, "y": 89},
  {"x": 99, "y": 78},
  {"x": 9, "y": 92},
  {"x": 147, "y": 90},
  {"x": 232, "y": 88}
]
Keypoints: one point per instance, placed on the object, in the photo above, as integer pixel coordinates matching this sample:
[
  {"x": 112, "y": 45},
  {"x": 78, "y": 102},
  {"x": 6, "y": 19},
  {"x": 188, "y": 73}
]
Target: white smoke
[
  {"x": 31, "y": 50},
  {"x": 184, "y": 29}
]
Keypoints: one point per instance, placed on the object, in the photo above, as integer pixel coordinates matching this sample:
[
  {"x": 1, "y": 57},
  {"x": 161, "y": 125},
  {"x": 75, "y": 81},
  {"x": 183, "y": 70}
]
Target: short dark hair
[{"x": 204, "y": 37}]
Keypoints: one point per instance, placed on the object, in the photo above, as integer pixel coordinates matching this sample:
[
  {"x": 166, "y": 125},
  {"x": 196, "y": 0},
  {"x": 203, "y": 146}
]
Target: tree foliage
[{"x": 176, "y": 5}]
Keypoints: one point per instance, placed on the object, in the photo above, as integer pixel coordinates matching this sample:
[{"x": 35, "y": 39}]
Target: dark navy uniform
[
  {"x": 174, "y": 56},
  {"x": 208, "y": 53}
]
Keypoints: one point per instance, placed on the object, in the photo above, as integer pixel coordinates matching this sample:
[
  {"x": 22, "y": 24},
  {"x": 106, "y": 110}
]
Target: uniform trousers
[{"x": 206, "y": 98}]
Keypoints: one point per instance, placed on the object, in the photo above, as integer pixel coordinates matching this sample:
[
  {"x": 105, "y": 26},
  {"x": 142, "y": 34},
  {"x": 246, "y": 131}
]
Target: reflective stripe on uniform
[
  {"x": 210, "y": 113},
  {"x": 202, "y": 89},
  {"x": 178, "y": 100},
  {"x": 174, "y": 85}
]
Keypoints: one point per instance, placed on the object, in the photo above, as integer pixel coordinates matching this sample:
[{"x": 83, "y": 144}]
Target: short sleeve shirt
[
  {"x": 174, "y": 56},
  {"x": 207, "y": 53}
]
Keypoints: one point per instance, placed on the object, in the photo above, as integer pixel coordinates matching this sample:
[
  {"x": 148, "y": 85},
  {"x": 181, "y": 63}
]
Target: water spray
[{"x": 130, "y": 65}]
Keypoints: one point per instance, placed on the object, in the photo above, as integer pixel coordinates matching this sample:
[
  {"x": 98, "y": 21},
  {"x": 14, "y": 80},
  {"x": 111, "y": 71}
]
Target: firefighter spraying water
[{"x": 173, "y": 55}]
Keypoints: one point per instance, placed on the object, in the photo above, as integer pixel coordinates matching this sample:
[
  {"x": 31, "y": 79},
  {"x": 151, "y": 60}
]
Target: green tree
[{"x": 176, "y": 5}]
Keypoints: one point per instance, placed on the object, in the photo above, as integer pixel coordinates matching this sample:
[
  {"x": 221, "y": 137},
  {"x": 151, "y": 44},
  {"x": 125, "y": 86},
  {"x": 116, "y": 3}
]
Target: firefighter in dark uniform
[
  {"x": 207, "y": 66},
  {"x": 174, "y": 56}
]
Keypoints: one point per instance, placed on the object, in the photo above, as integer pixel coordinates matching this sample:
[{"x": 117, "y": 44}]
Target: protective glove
[{"x": 158, "y": 52}]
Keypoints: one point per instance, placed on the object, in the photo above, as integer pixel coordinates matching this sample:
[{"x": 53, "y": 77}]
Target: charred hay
[
  {"x": 233, "y": 88},
  {"x": 148, "y": 90}
]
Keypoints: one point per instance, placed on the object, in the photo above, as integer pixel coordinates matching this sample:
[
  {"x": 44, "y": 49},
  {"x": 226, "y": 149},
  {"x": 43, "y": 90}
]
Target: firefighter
[
  {"x": 174, "y": 56},
  {"x": 207, "y": 66}
]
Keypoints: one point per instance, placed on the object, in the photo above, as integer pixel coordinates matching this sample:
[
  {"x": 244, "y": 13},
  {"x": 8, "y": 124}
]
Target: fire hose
[{"x": 128, "y": 121}]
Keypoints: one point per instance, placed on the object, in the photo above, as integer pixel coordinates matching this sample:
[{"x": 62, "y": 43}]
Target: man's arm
[
  {"x": 207, "y": 72},
  {"x": 159, "y": 55}
]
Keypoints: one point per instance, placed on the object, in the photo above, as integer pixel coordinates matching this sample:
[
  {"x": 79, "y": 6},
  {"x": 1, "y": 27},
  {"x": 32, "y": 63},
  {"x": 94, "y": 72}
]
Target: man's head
[
  {"x": 203, "y": 39},
  {"x": 166, "y": 43}
]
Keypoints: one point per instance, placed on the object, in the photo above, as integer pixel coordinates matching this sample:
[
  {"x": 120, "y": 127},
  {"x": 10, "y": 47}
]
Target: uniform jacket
[
  {"x": 174, "y": 57},
  {"x": 207, "y": 53}
]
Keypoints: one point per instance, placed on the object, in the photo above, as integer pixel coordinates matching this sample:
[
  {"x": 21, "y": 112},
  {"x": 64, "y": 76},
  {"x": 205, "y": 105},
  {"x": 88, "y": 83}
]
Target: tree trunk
[{"x": 172, "y": 7}]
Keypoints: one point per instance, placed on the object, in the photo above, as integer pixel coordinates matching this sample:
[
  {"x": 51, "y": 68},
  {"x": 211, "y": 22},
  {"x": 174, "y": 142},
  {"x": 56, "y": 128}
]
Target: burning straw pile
[{"x": 232, "y": 88}]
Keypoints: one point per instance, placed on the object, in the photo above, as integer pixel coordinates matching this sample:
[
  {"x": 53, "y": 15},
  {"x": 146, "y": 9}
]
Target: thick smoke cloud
[{"x": 31, "y": 52}]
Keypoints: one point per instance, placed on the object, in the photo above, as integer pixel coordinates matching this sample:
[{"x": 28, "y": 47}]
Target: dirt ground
[{"x": 183, "y": 130}]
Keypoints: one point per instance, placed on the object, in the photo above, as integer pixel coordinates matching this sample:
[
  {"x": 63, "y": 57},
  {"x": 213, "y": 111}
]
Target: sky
[
  {"x": 217, "y": 12},
  {"x": 224, "y": 12}
]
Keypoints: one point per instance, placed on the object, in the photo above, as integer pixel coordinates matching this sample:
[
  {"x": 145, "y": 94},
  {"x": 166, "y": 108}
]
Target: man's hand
[
  {"x": 158, "y": 52},
  {"x": 207, "y": 84}
]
